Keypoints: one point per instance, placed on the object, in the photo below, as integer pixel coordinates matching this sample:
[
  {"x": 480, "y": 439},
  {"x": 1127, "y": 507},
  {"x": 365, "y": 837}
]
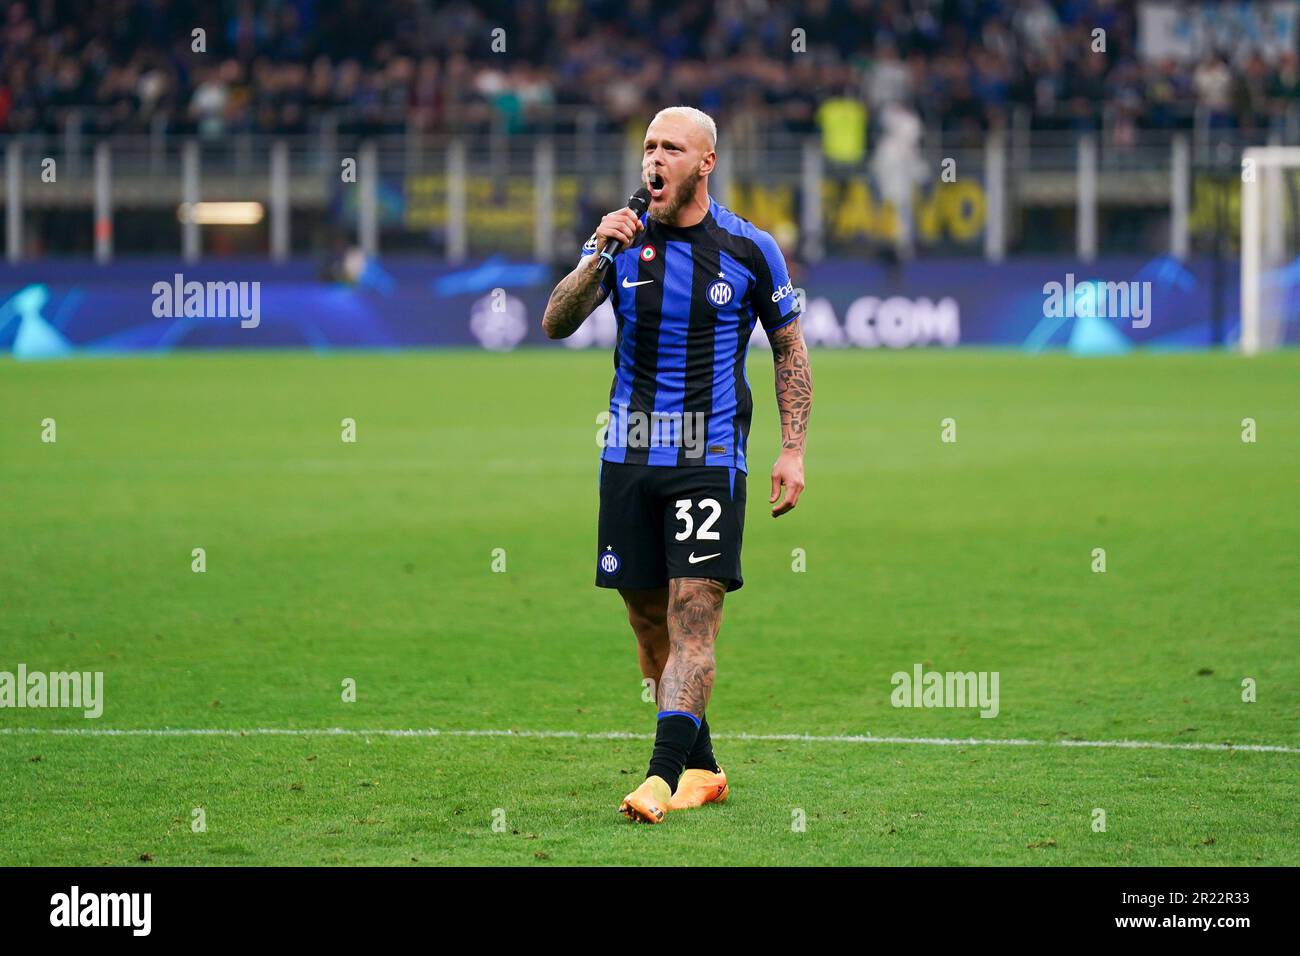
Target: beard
[{"x": 680, "y": 194}]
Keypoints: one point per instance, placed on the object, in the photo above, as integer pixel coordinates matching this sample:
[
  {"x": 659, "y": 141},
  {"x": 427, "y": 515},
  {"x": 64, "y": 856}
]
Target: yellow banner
[
  {"x": 944, "y": 212},
  {"x": 952, "y": 212}
]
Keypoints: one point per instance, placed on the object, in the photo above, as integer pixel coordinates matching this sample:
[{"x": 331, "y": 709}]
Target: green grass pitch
[{"x": 373, "y": 561}]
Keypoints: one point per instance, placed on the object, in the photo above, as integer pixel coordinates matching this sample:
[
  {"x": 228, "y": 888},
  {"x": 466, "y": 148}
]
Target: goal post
[{"x": 1267, "y": 216}]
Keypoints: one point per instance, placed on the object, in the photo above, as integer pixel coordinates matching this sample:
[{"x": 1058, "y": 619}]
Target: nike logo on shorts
[{"x": 704, "y": 557}]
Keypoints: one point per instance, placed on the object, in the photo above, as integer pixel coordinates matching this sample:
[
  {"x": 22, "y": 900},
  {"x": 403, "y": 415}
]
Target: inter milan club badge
[
  {"x": 647, "y": 253},
  {"x": 719, "y": 292},
  {"x": 609, "y": 561}
]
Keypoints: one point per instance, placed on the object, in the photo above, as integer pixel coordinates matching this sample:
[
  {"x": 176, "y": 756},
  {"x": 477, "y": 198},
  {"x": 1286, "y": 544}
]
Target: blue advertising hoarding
[{"x": 61, "y": 307}]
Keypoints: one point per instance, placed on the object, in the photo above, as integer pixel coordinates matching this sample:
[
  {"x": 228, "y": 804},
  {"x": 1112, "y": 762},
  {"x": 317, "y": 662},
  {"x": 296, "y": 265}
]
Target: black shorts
[{"x": 660, "y": 522}]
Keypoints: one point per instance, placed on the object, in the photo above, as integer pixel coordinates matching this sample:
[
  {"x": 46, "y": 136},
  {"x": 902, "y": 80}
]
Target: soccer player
[{"x": 692, "y": 279}]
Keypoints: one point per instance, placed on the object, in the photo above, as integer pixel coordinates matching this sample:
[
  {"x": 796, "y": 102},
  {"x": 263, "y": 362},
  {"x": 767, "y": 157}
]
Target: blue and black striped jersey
[{"x": 686, "y": 300}]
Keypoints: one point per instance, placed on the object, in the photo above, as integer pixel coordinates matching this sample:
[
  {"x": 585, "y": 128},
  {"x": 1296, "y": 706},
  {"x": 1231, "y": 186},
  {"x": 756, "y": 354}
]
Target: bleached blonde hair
[{"x": 700, "y": 118}]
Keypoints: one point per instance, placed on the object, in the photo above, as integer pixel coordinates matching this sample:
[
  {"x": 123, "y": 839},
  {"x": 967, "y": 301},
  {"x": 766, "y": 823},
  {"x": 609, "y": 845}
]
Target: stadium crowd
[{"x": 128, "y": 65}]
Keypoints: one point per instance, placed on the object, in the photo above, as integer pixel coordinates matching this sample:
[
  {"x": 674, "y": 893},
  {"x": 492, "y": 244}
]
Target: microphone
[{"x": 638, "y": 202}]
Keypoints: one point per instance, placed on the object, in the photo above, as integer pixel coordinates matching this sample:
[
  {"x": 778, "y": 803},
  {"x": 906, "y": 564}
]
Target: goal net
[{"x": 1270, "y": 247}]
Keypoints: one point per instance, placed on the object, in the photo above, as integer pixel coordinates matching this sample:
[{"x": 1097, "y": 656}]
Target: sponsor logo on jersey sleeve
[{"x": 781, "y": 293}]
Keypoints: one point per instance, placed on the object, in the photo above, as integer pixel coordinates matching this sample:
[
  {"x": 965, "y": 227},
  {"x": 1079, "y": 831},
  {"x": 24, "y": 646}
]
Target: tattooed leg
[
  {"x": 694, "y": 616},
  {"x": 647, "y": 612}
]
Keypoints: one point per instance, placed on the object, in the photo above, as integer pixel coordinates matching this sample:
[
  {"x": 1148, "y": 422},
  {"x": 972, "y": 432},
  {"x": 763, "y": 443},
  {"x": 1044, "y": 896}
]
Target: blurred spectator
[
  {"x": 888, "y": 80},
  {"x": 209, "y": 103},
  {"x": 1284, "y": 85},
  {"x": 899, "y": 168},
  {"x": 1037, "y": 24},
  {"x": 1250, "y": 95},
  {"x": 1213, "y": 83},
  {"x": 843, "y": 123}
]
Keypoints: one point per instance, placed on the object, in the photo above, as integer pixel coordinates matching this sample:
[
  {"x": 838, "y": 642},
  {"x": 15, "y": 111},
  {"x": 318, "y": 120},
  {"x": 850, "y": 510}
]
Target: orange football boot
[
  {"x": 698, "y": 787},
  {"x": 648, "y": 803}
]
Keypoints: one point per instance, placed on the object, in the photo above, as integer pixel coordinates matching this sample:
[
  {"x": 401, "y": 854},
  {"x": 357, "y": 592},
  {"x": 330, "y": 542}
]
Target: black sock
[
  {"x": 674, "y": 738},
  {"x": 701, "y": 757}
]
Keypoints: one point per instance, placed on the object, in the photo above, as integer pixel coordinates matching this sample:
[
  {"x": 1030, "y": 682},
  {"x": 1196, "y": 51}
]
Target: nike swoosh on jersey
[
  {"x": 704, "y": 557},
  {"x": 632, "y": 285}
]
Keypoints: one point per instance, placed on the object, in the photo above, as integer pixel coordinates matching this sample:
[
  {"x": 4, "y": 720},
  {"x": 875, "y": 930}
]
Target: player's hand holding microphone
[{"x": 619, "y": 229}]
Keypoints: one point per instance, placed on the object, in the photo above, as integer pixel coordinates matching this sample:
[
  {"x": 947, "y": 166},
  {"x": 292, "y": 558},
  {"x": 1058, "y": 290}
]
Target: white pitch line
[{"x": 624, "y": 735}]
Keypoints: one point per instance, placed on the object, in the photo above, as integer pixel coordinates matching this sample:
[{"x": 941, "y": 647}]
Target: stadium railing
[{"x": 484, "y": 189}]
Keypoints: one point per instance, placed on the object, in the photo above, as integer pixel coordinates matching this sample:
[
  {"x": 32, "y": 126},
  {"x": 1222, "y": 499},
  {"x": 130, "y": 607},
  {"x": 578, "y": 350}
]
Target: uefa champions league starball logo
[
  {"x": 719, "y": 292},
  {"x": 609, "y": 562}
]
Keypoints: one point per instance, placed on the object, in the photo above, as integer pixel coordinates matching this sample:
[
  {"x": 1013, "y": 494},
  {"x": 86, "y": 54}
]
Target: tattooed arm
[
  {"x": 794, "y": 400},
  {"x": 578, "y": 293},
  {"x": 573, "y": 299}
]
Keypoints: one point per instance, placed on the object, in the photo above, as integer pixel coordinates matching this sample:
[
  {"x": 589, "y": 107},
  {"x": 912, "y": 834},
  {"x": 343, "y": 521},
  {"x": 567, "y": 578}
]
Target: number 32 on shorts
[{"x": 704, "y": 532}]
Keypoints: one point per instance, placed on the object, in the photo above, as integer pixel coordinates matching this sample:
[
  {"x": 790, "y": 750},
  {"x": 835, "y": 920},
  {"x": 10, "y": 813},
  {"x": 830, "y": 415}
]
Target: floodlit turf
[{"x": 373, "y": 561}]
